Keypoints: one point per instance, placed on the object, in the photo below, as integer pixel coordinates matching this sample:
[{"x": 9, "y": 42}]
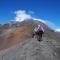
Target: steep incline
[
  {"x": 31, "y": 49},
  {"x": 13, "y": 36},
  {"x": 19, "y": 45}
]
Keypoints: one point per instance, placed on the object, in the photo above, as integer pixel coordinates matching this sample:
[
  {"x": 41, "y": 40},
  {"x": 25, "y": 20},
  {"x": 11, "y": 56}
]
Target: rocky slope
[
  {"x": 17, "y": 43},
  {"x": 31, "y": 49}
]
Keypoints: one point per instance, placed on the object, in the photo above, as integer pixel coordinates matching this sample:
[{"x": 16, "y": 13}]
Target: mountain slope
[
  {"x": 18, "y": 44},
  {"x": 31, "y": 49},
  {"x": 10, "y": 37}
]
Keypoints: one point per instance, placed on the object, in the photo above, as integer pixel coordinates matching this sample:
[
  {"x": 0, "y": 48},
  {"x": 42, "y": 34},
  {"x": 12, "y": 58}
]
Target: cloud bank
[
  {"x": 57, "y": 30},
  {"x": 22, "y": 15}
]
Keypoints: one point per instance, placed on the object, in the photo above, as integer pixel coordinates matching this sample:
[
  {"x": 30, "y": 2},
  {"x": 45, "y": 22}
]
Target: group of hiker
[{"x": 38, "y": 31}]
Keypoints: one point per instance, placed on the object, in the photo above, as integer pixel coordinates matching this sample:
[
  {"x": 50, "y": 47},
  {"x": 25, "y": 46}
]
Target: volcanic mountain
[{"x": 16, "y": 42}]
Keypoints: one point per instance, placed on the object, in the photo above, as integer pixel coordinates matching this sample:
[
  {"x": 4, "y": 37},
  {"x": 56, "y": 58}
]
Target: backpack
[
  {"x": 34, "y": 29},
  {"x": 40, "y": 29}
]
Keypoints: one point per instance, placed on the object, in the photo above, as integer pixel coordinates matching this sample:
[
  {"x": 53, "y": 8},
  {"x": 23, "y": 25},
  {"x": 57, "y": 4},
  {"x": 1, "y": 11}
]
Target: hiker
[
  {"x": 34, "y": 30},
  {"x": 38, "y": 31}
]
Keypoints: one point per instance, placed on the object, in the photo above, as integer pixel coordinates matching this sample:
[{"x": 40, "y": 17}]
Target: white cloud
[
  {"x": 49, "y": 23},
  {"x": 22, "y": 15},
  {"x": 40, "y": 20},
  {"x": 57, "y": 30}
]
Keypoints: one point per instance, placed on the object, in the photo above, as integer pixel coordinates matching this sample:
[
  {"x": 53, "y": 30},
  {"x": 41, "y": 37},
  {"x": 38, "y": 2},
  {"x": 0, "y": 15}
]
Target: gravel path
[{"x": 31, "y": 49}]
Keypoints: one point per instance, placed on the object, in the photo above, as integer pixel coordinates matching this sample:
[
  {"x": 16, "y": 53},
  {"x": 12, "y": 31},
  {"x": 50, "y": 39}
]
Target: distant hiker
[{"x": 38, "y": 31}]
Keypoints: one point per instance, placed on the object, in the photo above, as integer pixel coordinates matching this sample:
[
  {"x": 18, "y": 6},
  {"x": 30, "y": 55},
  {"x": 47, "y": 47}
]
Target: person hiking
[
  {"x": 38, "y": 31},
  {"x": 34, "y": 30}
]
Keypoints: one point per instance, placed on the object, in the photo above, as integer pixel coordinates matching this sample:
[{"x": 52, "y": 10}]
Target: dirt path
[{"x": 31, "y": 49}]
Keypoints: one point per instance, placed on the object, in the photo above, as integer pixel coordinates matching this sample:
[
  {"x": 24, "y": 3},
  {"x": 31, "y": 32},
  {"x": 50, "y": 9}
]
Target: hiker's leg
[
  {"x": 33, "y": 35},
  {"x": 38, "y": 36},
  {"x": 41, "y": 35}
]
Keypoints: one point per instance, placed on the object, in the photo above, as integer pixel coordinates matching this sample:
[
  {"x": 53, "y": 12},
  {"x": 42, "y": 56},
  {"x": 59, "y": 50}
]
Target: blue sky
[{"x": 43, "y": 9}]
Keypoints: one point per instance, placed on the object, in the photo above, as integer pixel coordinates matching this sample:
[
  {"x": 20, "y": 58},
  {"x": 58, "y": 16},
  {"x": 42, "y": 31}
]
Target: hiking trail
[{"x": 31, "y": 49}]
